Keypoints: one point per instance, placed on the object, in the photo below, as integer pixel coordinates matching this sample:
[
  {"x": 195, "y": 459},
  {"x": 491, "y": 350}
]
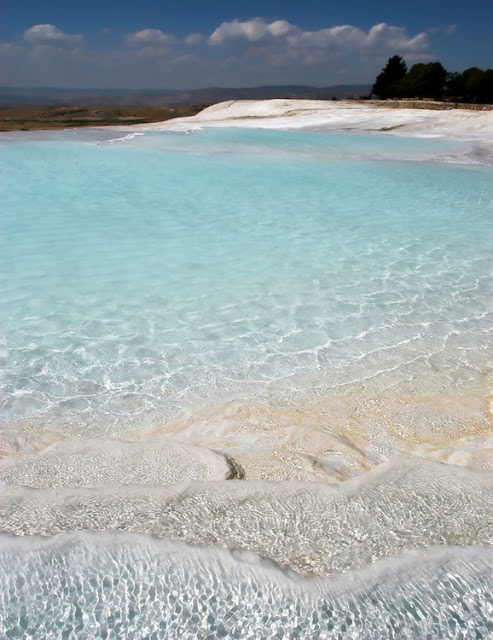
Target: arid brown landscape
[{"x": 29, "y": 118}]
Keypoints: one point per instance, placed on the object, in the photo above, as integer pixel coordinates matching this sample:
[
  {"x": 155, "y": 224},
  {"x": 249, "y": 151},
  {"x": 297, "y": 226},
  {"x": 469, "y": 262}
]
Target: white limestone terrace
[{"x": 322, "y": 115}]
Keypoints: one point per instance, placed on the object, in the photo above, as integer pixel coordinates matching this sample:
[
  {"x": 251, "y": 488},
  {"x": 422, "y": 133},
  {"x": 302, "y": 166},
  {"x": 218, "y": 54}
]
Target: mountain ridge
[{"x": 14, "y": 96}]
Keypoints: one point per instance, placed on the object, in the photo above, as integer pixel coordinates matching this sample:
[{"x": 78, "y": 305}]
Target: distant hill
[{"x": 10, "y": 96}]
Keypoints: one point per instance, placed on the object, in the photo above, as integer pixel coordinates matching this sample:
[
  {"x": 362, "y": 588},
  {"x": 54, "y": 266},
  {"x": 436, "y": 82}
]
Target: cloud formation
[
  {"x": 448, "y": 30},
  {"x": 48, "y": 34},
  {"x": 194, "y": 39},
  {"x": 249, "y": 52},
  {"x": 251, "y": 31},
  {"x": 150, "y": 37},
  {"x": 296, "y": 42}
]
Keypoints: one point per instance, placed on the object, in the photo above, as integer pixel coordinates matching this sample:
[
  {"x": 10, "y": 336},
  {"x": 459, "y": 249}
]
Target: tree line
[{"x": 431, "y": 80}]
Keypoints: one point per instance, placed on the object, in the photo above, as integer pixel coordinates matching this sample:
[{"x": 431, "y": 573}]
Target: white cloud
[
  {"x": 282, "y": 37},
  {"x": 150, "y": 37},
  {"x": 248, "y": 53},
  {"x": 448, "y": 30},
  {"x": 48, "y": 34},
  {"x": 193, "y": 39},
  {"x": 386, "y": 37},
  {"x": 281, "y": 28},
  {"x": 255, "y": 30}
]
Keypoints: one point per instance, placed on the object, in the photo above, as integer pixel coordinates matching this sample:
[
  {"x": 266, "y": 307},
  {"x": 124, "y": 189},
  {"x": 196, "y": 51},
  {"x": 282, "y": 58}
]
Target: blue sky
[{"x": 162, "y": 45}]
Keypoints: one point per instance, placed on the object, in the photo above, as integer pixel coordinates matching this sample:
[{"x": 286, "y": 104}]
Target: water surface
[
  {"x": 144, "y": 277},
  {"x": 220, "y": 345}
]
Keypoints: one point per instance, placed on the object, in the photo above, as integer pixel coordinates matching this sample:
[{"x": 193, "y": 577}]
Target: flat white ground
[{"x": 321, "y": 115}]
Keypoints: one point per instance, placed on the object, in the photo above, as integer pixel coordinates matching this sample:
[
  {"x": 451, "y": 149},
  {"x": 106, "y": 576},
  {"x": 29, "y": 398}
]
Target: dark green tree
[
  {"x": 454, "y": 86},
  {"x": 486, "y": 86},
  {"x": 388, "y": 80},
  {"x": 423, "y": 81},
  {"x": 472, "y": 85},
  {"x": 472, "y": 79}
]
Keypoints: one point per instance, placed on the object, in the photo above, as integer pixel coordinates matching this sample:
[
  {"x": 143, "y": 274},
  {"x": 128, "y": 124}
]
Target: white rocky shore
[{"x": 323, "y": 115}]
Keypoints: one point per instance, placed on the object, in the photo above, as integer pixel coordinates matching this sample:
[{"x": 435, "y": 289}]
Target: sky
[{"x": 152, "y": 44}]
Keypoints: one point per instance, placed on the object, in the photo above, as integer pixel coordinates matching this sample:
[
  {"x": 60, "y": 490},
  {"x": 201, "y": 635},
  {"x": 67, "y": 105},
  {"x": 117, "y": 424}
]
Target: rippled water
[
  {"x": 82, "y": 587},
  {"x": 142, "y": 278},
  {"x": 249, "y": 340}
]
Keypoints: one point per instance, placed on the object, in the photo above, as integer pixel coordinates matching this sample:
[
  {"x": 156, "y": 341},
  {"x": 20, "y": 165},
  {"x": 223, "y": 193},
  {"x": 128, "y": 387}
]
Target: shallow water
[
  {"x": 114, "y": 586},
  {"x": 310, "y": 527},
  {"x": 230, "y": 339},
  {"x": 145, "y": 277}
]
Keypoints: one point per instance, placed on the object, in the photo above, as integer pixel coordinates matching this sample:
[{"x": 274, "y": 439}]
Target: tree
[
  {"x": 432, "y": 81},
  {"x": 486, "y": 86},
  {"x": 386, "y": 84},
  {"x": 472, "y": 85},
  {"x": 454, "y": 86},
  {"x": 423, "y": 81}
]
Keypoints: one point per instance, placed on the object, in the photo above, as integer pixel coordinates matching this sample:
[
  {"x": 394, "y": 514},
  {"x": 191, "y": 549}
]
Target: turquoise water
[
  {"x": 144, "y": 277},
  {"x": 321, "y": 304}
]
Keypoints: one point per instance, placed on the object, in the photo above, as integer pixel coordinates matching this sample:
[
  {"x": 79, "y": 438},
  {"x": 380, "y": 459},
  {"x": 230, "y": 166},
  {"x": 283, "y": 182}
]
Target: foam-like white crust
[{"x": 336, "y": 116}]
